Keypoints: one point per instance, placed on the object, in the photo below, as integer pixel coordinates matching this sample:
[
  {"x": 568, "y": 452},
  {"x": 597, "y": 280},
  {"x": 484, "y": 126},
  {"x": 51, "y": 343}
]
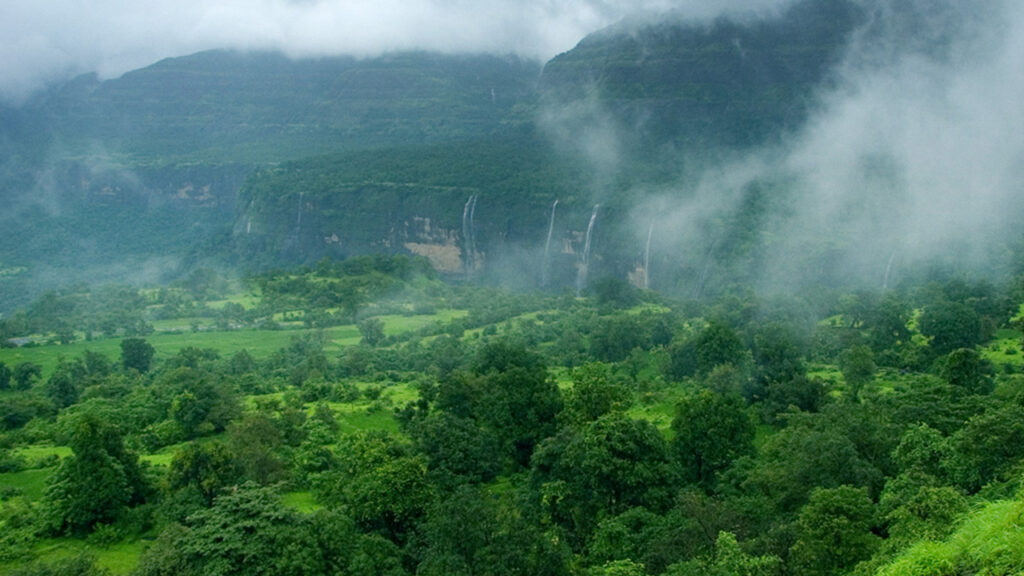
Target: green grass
[
  {"x": 659, "y": 413},
  {"x": 259, "y": 343},
  {"x": 37, "y": 452},
  {"x": 118, "y": 558},
  {"x": 1004, "y": 349},
  {"x": 399, "y": 324},
  {"x": 301, "y": 501},
  {"x": 31, "y": 483}
]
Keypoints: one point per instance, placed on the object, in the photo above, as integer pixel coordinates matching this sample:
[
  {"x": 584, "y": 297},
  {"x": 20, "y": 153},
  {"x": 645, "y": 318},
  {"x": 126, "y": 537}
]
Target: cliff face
[
  {"x": 670, "y": 92},
  {"x": 263, "y": 161},
  {"x": 724, "y": 84}
]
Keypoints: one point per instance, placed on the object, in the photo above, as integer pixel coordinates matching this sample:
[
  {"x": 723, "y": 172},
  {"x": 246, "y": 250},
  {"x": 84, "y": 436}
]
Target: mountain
[
  {"x": 106, "y": 178},
  {"x": 259, "y": 160},
  {"x": 727, "y": 83}
]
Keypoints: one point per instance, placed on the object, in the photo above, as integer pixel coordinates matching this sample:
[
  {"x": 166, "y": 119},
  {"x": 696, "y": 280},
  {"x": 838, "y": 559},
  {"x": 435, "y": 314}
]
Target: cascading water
[
  {"x": 468, "y": 241},
  {"x": 888, "y": 268},
  {"x": 545, "y": 263},
  {"x": 581, "y": 276},
  {"x": 647, "y": 256}
]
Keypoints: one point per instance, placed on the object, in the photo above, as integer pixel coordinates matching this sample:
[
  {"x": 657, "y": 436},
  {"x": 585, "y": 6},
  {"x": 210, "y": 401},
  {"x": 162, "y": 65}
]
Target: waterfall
[
  {"x": 468, "y": 242},
  {"x": 545, "y": 263},
  {"x": 647, "y": 257},
  {"x": 581, "y": 277},
  {"x": 888, "y": 268},
  {"x": 298, "y": 220}
]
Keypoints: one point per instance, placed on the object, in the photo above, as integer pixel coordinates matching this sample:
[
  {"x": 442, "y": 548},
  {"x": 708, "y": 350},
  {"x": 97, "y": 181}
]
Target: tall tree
[
  {"x": 136, "y": 354},
  {"x": 709, "y": 432},
  {"x": 97, "y": 481}
]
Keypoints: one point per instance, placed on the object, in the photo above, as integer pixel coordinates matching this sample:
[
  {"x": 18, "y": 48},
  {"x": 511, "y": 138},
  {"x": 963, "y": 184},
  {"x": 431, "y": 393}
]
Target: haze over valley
[{"x": 580, "y": 288}]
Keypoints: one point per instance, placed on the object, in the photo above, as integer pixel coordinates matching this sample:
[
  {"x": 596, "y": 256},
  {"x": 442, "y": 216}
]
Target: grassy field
[
  {"x": 31, "y": 483},
  {"x": 1005, "y": 349},
  {"x": 259, "y": 343}
]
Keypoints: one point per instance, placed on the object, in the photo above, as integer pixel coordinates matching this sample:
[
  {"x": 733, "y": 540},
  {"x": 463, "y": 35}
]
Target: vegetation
[{"x": 511, "y": 435}]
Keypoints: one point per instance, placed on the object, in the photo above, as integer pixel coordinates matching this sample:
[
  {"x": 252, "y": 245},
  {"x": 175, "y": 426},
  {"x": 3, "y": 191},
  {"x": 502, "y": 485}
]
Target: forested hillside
[
  {"x": 174, "y": 157},
  {"x": 362, "y": 417}
]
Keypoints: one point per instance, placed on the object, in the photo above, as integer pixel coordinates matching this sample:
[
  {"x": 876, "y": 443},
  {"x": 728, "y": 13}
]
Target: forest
[{"x": 365, "y": 417}]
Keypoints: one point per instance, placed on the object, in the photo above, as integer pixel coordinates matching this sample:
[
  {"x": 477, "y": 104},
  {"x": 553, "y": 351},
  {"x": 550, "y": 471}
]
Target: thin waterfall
[
  {"x": 581, "y": 276},
  {"x": 888, "y": 268},
  {"x": 298, "y": 219},
  {"x": 472, "y": 227},
  {"x": 468, "y": 243},
  {"x": 545, "y": 263},
  {"x": 647, "y": 257}
]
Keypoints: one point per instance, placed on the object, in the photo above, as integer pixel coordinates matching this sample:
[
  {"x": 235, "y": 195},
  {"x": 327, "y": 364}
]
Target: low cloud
[
  {"x": 50, "y": 41},
  {"x": 914, "y": 154}
]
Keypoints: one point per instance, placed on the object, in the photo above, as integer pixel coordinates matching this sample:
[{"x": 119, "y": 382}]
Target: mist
[
  {"x": 46, "y": 42},
  {"x": 913, "y": 154}
]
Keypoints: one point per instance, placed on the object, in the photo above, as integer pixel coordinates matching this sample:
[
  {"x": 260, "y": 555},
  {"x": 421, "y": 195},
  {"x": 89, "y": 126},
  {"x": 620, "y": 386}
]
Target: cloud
[
  {"x": 914, "y": 153},
  {"x": 51, "y": 40}
]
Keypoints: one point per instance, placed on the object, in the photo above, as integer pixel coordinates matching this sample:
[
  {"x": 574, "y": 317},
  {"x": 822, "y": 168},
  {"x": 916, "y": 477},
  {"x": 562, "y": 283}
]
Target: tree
[
  {"x": 247, "y": 532},
  {"x": 716, "y": 345},
  {"x": 594, "y": 394},
  {"x": 382, "y": 483},
  {"x": 207, "y": 469},
  {"x": 728, "y": 560},
  {"x": 966, "y": 370},
  {"x": 517, "y": 399},
  {"x": 25, "y": 374},
  {"x": 97, "y": 481},
  {"x": 950, "y": 325},
  {"x": 609, "y": 466},
  {"x": 709, "y": 432},
  {"x": 456, "y": 448},
  {"x": 989, "y": 445},
  {"x": 858, "y": 367},
  {"x": 5, "y": 376},
  {"x": 136, "y": 354},
  {"x": 834, "y": 531},
  {"x": 372, "y": 331},
  {"x": 61, "y": 389}
]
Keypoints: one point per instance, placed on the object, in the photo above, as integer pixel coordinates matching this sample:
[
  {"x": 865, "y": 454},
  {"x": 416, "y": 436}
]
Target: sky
[{"x": 47, "y": 41}]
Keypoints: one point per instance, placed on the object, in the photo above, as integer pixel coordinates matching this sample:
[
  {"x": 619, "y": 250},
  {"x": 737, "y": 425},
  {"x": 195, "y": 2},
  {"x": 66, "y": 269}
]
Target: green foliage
[
  {"x": 950, "y": 325},
  {"x": 988, "y": 541},
  {"x": 247, "y": 531},
  {"x": 5, "y": 376},
  {"x": 594, "y": 393},
  {"x": 988, "y": 447},
  {"x": 710, "y": 431},
  {"x": 97, "y": 482},
  {"x": 456, "y": 448},
  {"x": 800, "y": 458},
  {"x": 25, "y": 374},
  {"x": 834, "y": 531},
  {"x": 136, "y": 354},
  {"x": 372, "y": 331},
  {"x": 728, "y": 560},
  {"x": 966, "y": 370},
  {"x": 208, "y": 469},
  {"x": 517, "y": 400},
  {"x": 382, "y": 483},
  {"x": 858, "y": 367},
  {"x": 718, "y": 345},
  {"x": 610, "y": 465}
]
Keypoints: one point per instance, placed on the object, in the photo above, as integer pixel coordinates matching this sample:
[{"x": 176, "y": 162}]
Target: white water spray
[
  {"x": 647, "y": 257},
  {"x": 545, "y": 263},
  {"x": 888, "y": 268},
  {"x": 581, "y": 277},
  {"x": 468, "y": 241}
]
